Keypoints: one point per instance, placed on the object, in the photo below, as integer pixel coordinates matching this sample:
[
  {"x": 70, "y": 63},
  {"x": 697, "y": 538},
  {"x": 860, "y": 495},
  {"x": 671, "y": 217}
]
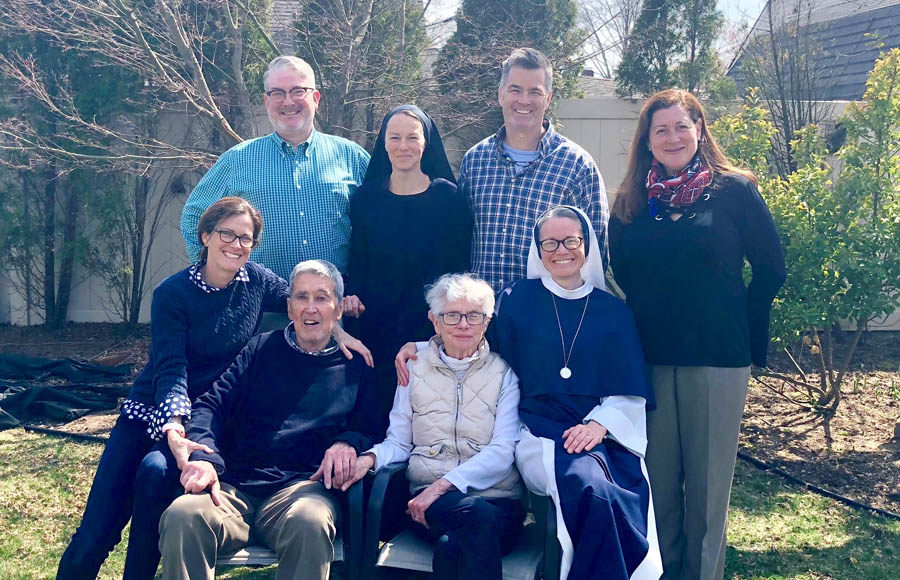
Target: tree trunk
[
  {"x": 141, "y": 197},
  {"x": 49, "y": 208},
  {"x": 67, "y": 264},
  {"x": 27, "y": 189}
]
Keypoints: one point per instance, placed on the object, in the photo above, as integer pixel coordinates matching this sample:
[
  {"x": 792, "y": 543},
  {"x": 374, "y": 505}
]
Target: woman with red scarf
[{"x": 684, "y": 221}]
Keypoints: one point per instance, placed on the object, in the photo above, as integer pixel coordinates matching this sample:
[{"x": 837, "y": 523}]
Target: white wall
[{"x": 90, "y": 299}]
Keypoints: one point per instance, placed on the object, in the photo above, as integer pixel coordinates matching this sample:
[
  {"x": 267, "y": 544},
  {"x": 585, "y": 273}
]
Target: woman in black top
[
  {"x": 684, "y": 221},
  {"x": 409, "y": 226}
]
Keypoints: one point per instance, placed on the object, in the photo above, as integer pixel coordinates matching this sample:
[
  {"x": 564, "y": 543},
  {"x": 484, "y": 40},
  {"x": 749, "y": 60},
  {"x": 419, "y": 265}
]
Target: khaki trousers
[
  {"x": 298, "y": 523},
  {"x": 692, "y": 444}
]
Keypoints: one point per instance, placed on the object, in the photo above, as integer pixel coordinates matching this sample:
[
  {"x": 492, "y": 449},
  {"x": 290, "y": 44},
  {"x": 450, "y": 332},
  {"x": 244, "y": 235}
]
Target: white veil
[{"x": 591, "y": 272}]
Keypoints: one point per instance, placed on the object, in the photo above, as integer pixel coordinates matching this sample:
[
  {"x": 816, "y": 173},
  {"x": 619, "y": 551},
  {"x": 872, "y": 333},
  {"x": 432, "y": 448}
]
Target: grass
[
  {"x": 44, "y": 483},
  {"x": 777, "y": 531},
  {"x": 43, "y": 486}
]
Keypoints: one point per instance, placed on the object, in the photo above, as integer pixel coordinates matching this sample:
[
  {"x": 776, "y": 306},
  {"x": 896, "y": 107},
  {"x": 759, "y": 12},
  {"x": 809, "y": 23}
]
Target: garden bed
[{"x": 857, "y": 456}]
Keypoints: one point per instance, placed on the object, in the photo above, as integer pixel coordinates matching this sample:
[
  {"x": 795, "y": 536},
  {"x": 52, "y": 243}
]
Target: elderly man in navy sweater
[{"x": 284, "y": 425}]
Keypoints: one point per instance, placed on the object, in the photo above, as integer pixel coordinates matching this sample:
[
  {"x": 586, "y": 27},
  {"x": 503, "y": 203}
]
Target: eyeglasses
[
  {"x": 228, "y": 236},
  {"x": 571, "y": 243},
  {"x": 297, "y": 93},
  {"x": 454, "y": 318}
]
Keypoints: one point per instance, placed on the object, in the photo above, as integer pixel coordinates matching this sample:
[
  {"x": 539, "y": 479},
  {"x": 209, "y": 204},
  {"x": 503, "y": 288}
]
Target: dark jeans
[
  {"x": 127, "y": 478},
  {"x": 471, "y": 534}
]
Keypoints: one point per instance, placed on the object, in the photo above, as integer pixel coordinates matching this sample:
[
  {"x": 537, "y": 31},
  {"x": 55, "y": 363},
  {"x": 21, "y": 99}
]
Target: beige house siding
[{"x": 604, "y": 126}]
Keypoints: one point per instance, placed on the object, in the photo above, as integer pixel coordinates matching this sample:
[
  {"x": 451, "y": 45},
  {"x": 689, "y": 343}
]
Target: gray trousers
[
  {"x": 298, "y": 523},
  {"x": 692, "y": 444}
]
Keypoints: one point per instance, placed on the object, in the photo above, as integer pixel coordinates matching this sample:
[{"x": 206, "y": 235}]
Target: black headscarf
[{"x": 434, "y": 160}]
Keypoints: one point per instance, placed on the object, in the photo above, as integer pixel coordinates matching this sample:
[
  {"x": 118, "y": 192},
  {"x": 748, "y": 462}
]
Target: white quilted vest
[{"x": 453, "y": 420}]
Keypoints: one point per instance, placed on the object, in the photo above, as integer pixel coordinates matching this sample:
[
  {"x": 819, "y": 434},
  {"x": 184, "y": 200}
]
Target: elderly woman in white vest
[{"x": 458, "y": 424}]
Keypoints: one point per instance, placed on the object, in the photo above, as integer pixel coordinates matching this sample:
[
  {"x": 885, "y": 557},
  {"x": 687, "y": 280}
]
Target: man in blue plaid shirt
[
  {"x": 513, "y": 176},
  {"x": 300, "y": 180}
]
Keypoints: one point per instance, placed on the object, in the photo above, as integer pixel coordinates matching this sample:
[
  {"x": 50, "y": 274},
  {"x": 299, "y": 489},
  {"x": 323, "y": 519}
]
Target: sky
[
  {"x": 734, "y": 10},
  {"x": 741, "y": 10},
  {"x": 739, "y": 16}
]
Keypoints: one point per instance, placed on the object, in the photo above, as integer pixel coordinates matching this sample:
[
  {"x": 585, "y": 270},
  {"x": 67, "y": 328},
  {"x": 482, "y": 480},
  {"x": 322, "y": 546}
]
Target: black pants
[{"x": 471, "y": 534}]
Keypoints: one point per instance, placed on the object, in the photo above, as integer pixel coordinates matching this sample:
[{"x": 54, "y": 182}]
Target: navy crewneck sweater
[{"x": 272, "y": 415}]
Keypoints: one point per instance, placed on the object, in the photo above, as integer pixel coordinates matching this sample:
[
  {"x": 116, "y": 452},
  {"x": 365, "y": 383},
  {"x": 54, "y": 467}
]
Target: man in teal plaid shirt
[{"x": 299, "y": 179}]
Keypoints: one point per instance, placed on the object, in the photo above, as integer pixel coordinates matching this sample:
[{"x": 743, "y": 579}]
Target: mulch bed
[{"x": 857, "y": 455}]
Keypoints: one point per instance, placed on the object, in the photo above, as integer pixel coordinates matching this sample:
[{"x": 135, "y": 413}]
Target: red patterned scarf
[{"x": 679, "y": 190}]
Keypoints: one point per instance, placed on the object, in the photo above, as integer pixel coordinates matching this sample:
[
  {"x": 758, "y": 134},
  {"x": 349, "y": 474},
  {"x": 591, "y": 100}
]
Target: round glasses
[
  {"x": 228, "y": 236},
  {"x": 296, "y": 93},
  {"x": 454, "y": 318},
  {"x": 571, "y": 243}
]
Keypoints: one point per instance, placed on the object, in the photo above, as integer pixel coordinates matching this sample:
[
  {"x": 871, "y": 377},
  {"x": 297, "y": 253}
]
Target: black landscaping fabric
[
  {"x": 25, "y": 394},
  {"x": 20, "y": 366}
]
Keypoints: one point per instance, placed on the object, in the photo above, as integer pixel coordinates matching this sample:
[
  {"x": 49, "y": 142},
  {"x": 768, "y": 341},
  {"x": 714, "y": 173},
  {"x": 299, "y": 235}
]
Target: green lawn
[
  {"x": 779, "y": 531},
  {"x": 776, "y": 531}
]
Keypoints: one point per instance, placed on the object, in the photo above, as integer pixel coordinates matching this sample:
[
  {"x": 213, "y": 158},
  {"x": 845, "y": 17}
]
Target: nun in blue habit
[{"x": 584, "y": 397}]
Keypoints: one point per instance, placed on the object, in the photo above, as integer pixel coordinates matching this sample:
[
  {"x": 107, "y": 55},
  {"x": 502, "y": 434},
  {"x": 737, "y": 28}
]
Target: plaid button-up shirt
[
  {"x": 506, "y": 205},
  {"x": 303, "y": 196}
]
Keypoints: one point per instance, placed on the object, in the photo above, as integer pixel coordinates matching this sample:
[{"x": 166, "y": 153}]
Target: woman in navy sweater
[
  {"x": 684, "y": 221},
  {"x": 201, "y": 317}
]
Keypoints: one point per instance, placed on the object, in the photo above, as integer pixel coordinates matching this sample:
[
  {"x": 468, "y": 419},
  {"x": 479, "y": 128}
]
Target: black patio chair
[
  {"x": 536, "y": 554},
  {"x": 347, "y": 543}
]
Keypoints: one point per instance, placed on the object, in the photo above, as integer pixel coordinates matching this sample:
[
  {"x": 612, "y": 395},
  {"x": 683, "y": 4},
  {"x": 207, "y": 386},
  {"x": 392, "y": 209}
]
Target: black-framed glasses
[
  {"x": 571, "y": 243},
  {"x": 228, "y": 236},
  {"x": 454, "y": 318},
  {"x": 296, "y": 93}
]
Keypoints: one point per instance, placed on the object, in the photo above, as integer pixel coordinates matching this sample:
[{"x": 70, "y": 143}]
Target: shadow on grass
[
  {"x": 43, "y": 460},
  {"x": 267, "y": 573},
  {"x": 860, "y": 559},
  {"x": 778, "y": 530}
]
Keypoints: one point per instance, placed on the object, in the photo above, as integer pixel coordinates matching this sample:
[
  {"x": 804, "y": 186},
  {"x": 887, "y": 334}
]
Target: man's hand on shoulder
[
  {"x": 407, "y": 352},
  {"x": 352, "y": 306},
  {"x": 198, "y": 476},
  {"x": 338, "y": 465}
]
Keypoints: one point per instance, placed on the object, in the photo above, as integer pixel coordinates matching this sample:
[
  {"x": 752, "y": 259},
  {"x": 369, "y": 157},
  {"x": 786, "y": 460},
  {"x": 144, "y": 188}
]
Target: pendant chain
[{"x": 566, "y": 357}]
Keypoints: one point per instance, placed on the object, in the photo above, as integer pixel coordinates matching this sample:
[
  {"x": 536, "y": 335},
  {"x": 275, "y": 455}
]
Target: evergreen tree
[
  {"x": 645, "y": 66},
  {"x": 366, "y": 58},
  {"x": 698, "y": 62},
  {"x": 468, "y": 68},
  {"x": 670, "y": 45}
]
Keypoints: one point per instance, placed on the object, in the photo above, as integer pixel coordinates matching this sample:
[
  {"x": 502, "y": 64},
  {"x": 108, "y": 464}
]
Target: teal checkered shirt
[{"x": 303, "y": 197}]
